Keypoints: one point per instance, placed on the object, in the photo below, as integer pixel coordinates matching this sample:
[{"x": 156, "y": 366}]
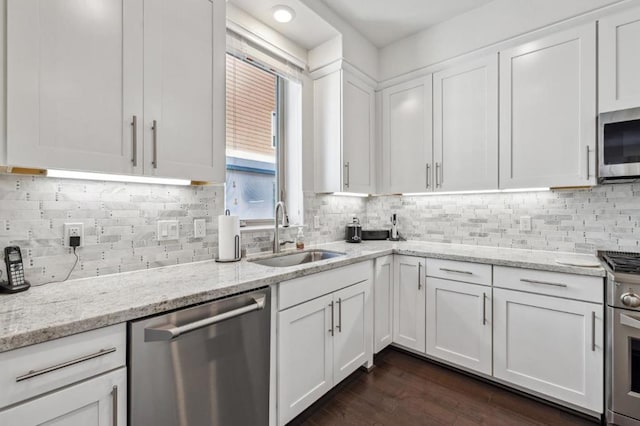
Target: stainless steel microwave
[{"x": 619, "y": 145}]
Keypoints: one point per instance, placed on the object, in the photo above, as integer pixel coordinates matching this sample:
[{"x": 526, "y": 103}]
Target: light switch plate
[
  {"x": 168, "y": 230},
  {"x": 199, "y": 228},
  {"x": 525, "y": 223}
]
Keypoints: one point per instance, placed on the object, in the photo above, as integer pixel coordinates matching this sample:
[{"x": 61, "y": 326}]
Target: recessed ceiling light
[{"x": 283, "y": 14}]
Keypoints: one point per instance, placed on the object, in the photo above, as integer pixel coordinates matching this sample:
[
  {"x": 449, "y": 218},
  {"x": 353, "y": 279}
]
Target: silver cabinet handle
[
  {"x": 484, "y": 308},
  {"x": 588, "y": 162},
  {"x": 114, "y": 405},
  {"x": 428, "y": 169},
  {"x": 437, "y": 173},
  {"x": 332, "y": 324},
  {"x": 339, "y": 326},
  {"x": 35, "y": 373},
  {"x": 456, "y": 271},
  {"x": 525, "y": 280},
  {"x": 134, "y": 141},
  {"x": 419, "y": 276},
  {"x": 346, "y": 169},
  {"x": 154, "y": 128},
  {"x": 593, "y": 331},
  {"x": 170, "y": 331}
]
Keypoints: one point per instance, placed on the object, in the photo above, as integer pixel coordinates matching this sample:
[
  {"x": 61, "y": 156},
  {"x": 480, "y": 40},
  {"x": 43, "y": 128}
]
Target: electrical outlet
[
  {"x": 73, "y": 230},
  {"x": 199, "y": 228},
  {"x": 168, "y": 230},
  {"x": 316, "y": 222},
  {"x": 525, "y": 223}
]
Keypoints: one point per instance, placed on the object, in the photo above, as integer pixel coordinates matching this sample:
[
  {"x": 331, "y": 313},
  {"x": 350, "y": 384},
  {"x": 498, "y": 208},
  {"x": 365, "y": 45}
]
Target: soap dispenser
[{"x": 300, "y": 239}]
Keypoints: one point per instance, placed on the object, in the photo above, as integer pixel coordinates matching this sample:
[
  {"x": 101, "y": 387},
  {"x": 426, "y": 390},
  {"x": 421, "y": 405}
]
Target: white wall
[{"x": 494, "y": 22}]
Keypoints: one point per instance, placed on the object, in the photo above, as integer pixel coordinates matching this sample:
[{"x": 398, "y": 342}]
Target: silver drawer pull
[
  {"x": 456, "y": 271},
  {"x": 525, "y": 280},
  {"x": 35, "y": 373},
  {"x": 171, "y": 331}
]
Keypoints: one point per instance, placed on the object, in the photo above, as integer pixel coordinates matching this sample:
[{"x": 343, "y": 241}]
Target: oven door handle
[
  {"x": 169, "y": 332},
  {"x": 630, "y": 321}
]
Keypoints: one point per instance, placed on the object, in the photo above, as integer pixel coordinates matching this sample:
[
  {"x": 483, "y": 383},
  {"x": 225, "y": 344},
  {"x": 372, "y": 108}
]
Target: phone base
[{"x": 6, "y": 288}]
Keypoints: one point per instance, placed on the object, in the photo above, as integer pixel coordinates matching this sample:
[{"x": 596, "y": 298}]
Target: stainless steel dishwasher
[{"x": 205, "y": 365}]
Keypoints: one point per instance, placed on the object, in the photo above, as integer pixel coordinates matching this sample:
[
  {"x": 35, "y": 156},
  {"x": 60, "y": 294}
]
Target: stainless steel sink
[{"x": 297, "y": 258}]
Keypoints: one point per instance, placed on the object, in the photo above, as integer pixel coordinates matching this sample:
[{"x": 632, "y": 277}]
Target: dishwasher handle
[{"x": 169, "y": 332}]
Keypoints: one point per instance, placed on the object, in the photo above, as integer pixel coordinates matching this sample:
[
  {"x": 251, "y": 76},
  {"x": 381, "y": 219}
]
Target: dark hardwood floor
[{"x": 404, "y": 390}]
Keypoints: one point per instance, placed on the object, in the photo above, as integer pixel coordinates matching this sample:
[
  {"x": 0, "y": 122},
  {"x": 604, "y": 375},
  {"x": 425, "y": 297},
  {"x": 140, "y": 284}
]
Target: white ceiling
[
  {"x": 385, "y": 21},
  {"x": 307, "y": 29}
]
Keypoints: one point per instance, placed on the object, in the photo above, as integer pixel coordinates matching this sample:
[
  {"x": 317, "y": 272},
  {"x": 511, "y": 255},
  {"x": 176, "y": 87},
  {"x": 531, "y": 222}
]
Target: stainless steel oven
[
  {"x": 623, "y": 338},
  {"x": 619, "y": 145}
]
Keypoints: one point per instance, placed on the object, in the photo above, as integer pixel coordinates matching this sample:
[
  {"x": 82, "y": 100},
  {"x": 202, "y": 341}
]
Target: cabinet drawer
[
  {"x": 578, "y": 287},
  {"x": 475, "y": 273},
  {"x": 33, "y": 370},
  {"x": 300, "y": 290}
]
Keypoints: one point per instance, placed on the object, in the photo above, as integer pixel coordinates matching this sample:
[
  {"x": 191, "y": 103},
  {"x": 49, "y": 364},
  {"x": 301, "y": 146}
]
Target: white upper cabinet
[
  {"x": 87, "y": 80},
  {"x": 407, "y": 149},
  {"x": 183, "y": 64},
  {"x": 74, "y": 84},
  {"x": 548, "y": 111},
  {"x": 344, "y": 113},
  {"x": 619, "y": 62},
  {"x": 465, "y": 124}
]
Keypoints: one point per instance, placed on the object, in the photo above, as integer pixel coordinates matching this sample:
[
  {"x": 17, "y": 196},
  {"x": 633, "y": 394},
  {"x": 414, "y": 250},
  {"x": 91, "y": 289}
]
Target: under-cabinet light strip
[
  {"x": 489, "y": 191},
  {"x": 67, "y": 174}
]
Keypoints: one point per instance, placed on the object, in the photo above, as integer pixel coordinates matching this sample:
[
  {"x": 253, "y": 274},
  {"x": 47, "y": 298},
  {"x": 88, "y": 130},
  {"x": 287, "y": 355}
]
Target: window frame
[{"x": 279, "y": 143}]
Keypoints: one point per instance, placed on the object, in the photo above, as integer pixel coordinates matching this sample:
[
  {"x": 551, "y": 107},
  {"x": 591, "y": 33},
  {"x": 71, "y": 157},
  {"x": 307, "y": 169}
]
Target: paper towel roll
[{"x": 228, "y": 238}]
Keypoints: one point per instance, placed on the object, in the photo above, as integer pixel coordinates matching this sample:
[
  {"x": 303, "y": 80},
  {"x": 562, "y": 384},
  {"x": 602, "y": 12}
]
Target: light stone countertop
[{"x": 57, "y": 310}]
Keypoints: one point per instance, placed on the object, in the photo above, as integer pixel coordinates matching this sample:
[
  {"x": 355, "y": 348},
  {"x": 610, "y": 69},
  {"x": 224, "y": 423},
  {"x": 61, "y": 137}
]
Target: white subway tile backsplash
[{"x": 120, "y": 221}]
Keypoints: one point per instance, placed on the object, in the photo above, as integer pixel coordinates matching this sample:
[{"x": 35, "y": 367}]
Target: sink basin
[{"x": 297, "y": 258}]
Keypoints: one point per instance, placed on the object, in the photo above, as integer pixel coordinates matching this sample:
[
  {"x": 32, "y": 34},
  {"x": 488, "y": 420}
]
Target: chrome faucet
[{"x": 285, "y": 224}]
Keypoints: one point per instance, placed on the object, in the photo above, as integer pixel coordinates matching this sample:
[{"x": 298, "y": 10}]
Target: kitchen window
[
  {"x": 264, "y": 131},
  {"x": 254, "y": 148}
]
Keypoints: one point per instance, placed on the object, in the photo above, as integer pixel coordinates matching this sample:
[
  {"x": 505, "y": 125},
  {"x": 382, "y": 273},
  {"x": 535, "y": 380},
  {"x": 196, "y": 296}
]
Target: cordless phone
[{"x": 15, "y": 271}]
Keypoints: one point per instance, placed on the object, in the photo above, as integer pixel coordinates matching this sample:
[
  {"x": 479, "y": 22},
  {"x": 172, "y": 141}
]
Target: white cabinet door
[
  {"x": 353, "y": 336},
  {"x": 74, "y": 84},
  {"x": 619, "y": 62},
  {"x": 409, "y": 302},
  {"x": 183, "y": 80},
  {"x": 465, "y": 126},
  {"x": 383, "y": 303},
  {"x": 305, "y": 355},
  {"x": 358, "y": 111},
  {"x": 459, "y": 323},
  {"x": 548, "y": 111},
  {"x": 327, "y": 133},
  {"x": 549, "y": 345},
  {"x": 90, "y": 403},
  {"x": 344, "y": 110},
  {"x": 407, "y": 149}
]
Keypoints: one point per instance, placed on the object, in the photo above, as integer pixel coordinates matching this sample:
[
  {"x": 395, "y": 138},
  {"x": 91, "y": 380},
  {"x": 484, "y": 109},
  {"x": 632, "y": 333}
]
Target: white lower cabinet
[
  {"x": 409, "y": 303},
  {"x": 550, "y": 345},
  {"x": 96, "y": 402},
  {"x": 321, "y": 342},
  {"x": 383, "y": 303},
  {"x": 459, "y": 323},
  {"x": 305, "y": 355}
]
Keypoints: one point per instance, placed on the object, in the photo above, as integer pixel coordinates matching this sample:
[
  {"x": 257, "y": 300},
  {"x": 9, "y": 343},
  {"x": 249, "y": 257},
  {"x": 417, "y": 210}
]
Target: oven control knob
[{"x": 631, "y": 300}]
